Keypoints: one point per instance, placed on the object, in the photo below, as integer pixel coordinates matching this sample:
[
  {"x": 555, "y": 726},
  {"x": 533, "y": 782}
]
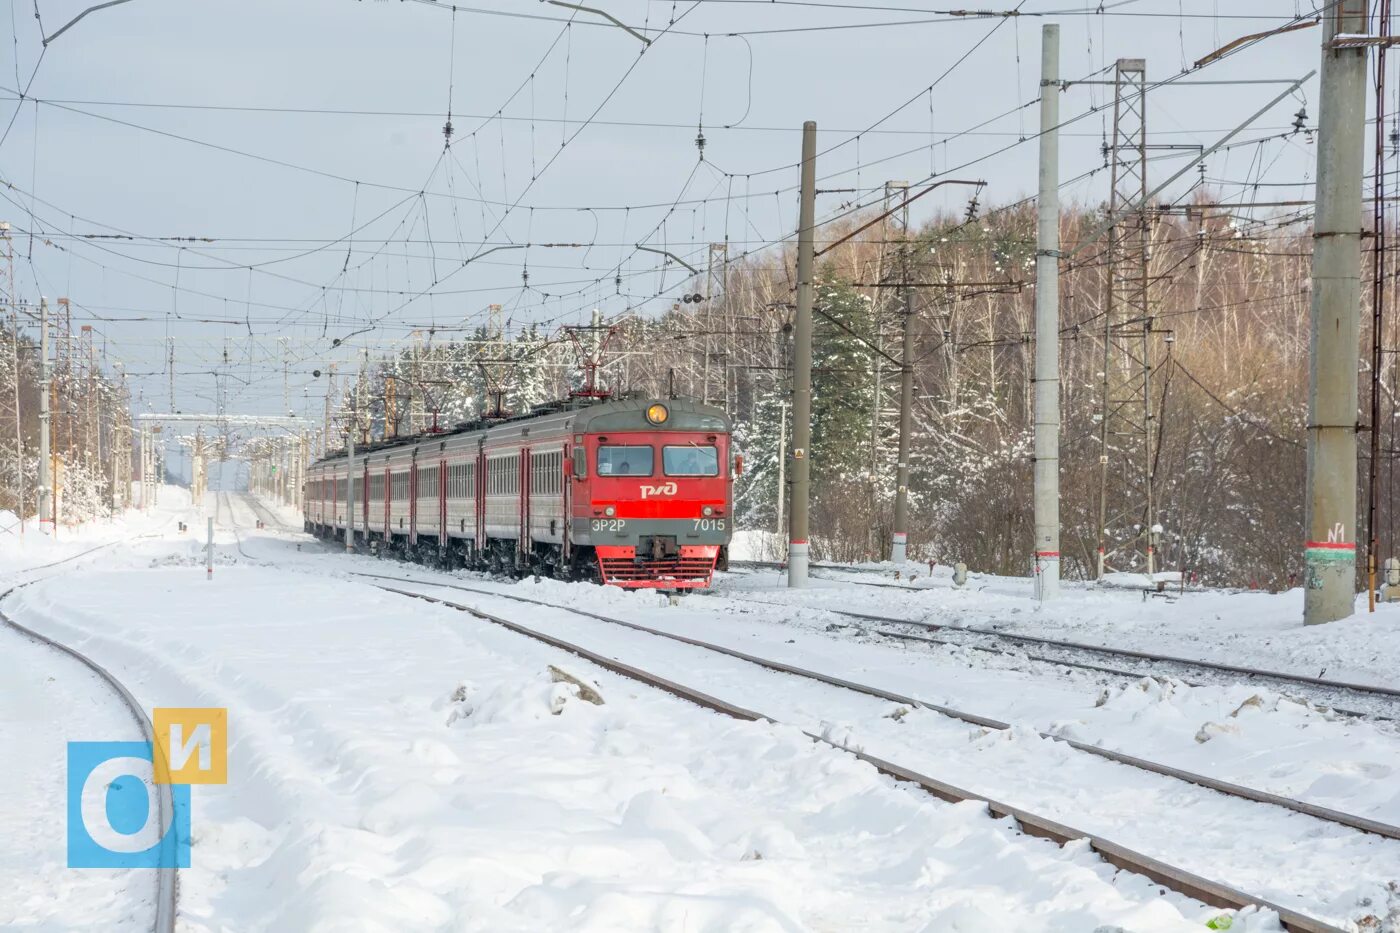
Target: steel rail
[
  {"x": 1349, "y": 820},
  {"x": 73, "y": 557},
  {"x": 232, "y": 525},
  {"x": 1086, "y": 666},
  {"x": 167, "y": 879},
  {"x": 1342, "y": 685},
  {"x": 1169, "y": 876},
  {"x": 268, "y": 514},
  {"x": 836, "y": 567}
]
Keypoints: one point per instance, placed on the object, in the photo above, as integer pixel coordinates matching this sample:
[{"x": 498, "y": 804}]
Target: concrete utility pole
[
  {"x": 140, "y": 444},
  {"x": 1330, "y": 550},
  {"x": 802, "y": 363},
  {"x": 157, "y": 464},
  {"x": 1047, "y": 325},
  {"x": 45, "y": 420},
  {"x": 899, "y": 549},
  {"x": 326, "y": 426}
]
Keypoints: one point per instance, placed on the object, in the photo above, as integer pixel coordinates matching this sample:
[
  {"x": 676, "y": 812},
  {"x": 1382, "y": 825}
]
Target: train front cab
[{"x": 653, "y": 492}]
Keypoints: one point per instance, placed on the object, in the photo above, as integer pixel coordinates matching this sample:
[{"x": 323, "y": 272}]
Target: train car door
[
  {"x": 479, "y": 497},
  {"x": 413, "y": 499},
  {"x": 522, "y": 552},
  {"x": 360, "y": 521},
  {"x": 442, "y": 502},
  {"x": 566, "y": 481},
  {"x": 388, "y": 496}
]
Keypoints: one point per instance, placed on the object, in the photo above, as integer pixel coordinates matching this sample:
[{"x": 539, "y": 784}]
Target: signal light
[{"x": 657, "y": 414}]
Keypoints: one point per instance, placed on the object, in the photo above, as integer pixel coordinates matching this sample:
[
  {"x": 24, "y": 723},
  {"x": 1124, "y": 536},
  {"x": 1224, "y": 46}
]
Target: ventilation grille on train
[{"x": 684, "y": 571}]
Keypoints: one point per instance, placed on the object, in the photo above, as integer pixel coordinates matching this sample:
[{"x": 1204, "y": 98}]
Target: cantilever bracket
[{"x": 606, "y": 15}]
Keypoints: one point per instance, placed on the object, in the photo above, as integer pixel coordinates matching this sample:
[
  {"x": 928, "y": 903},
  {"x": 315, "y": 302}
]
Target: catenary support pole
[
  {"x": 802, "y": 363},
  {"x": 899, "y": 548},
  {"x": 1379, "y": 223},
  {"x": 1330, "y": 549},
  {"x": 45, "y": 421},
  {"x": 1047, "y": 325}
]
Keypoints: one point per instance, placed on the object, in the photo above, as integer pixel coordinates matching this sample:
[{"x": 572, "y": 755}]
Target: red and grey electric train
[{"x": 636, "y": 493}]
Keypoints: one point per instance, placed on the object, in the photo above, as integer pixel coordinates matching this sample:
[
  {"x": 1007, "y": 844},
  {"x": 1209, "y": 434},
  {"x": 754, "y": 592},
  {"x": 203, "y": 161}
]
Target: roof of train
[{"x": 579, "y": 414}]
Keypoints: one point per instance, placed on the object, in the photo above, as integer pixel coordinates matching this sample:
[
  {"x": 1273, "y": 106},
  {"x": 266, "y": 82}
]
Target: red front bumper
[{"x": 691, "y": 570}]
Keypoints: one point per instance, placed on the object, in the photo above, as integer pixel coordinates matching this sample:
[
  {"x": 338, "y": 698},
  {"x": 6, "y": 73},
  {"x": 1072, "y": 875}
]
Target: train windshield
[
  {"x": 690, "y": 460},
  {"x": 624, "y": 461}
]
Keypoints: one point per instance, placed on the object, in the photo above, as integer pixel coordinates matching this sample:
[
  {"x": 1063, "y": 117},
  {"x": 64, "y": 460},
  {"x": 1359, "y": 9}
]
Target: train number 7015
[{"x": 709, "y": 524}]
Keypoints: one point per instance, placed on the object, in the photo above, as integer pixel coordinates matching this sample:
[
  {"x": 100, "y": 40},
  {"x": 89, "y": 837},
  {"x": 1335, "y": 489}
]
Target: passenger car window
[
  {"x": 690, "y": 460},
  {"x": 624, "y": 461}
]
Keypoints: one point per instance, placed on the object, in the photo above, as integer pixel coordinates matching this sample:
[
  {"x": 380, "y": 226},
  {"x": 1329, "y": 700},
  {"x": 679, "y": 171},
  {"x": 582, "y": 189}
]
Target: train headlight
[
  {"x": 657, "y": 414},
  {"x": 610, "y": 511},
  {"x": 707, "y": 511}
]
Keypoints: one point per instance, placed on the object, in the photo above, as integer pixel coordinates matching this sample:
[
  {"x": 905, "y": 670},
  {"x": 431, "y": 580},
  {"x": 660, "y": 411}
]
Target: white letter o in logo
[{"x": 94, "y": 805}]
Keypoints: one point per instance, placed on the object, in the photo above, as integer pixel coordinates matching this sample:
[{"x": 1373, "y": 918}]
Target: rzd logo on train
[
  {"x": 665, "y": 489},
  {"x": 116, "y": 818}
]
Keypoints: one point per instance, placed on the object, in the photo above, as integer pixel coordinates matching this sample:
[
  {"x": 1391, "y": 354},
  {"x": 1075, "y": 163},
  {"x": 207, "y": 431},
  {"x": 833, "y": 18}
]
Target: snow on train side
[{"x": 635, "y": 493}]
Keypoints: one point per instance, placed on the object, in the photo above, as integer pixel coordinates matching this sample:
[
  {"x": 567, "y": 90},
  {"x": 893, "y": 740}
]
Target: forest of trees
[
  {"x": 90, "y": 429},
  {"x": 1229, "y": 307}
]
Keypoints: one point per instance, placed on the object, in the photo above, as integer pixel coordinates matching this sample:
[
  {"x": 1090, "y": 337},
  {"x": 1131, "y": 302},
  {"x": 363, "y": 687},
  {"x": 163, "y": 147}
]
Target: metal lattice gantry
[
  {"x": 1128, "y": 528},
  {"x": 293, "y": 446}
]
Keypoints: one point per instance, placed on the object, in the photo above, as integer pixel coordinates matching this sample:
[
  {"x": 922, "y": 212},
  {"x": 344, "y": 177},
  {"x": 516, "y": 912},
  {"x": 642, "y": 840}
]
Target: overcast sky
[{"x": 148, "y": 125}]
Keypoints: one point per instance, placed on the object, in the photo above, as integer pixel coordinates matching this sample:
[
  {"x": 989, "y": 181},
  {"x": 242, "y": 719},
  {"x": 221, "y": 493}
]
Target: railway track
[
  {"x": 167, "y": 884},
  {"x": 268, "y": 519},
  {"x": 1351, "y": 821},
  {"x": 1178, "y": 879},
  {"x": 72, "y": 557},
  {"x": 844, "y": 574},
  {"x": 1347, "y": 698}
]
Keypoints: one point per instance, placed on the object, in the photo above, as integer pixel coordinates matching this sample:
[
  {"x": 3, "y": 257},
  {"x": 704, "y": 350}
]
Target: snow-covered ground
[
  {"x": 1264, "y": 629},
  {"x": 401, "y": 766},
  {"x": 36, "y": 547}
]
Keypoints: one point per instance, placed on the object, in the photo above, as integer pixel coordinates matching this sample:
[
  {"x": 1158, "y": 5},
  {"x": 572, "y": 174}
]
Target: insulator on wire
[
  {"x": 1300, "y": 120},
  {"x": 700, "y": 142}
]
